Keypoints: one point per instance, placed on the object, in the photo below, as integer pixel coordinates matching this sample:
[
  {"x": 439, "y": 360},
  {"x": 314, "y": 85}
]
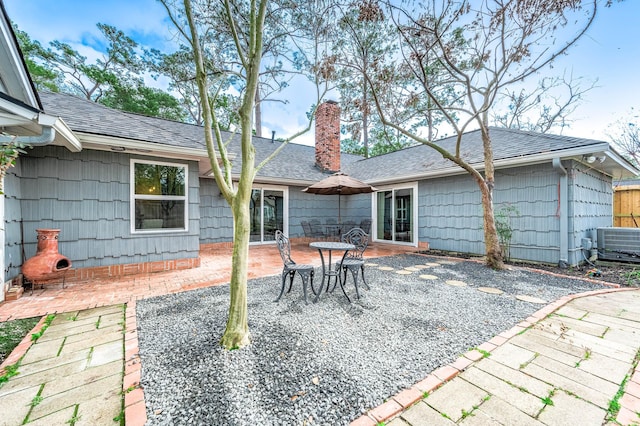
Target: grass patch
[
  {"x": 9, "y": 372},
  {"x": 614, "y": 404},
  {"x": 12, "y": 333},
  {"x": 485, "y": 354}
]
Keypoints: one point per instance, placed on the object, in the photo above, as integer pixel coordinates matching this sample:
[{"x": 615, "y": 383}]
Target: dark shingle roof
[
  {"x": 421, "y": 159},
  {"x": 297, "y": 162},
  {"x": 294, "y": 162}
]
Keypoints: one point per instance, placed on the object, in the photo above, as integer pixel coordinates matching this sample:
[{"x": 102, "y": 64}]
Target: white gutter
[
  {"x": 45, "y": 138},
  {"x": 563, "y": 214}
]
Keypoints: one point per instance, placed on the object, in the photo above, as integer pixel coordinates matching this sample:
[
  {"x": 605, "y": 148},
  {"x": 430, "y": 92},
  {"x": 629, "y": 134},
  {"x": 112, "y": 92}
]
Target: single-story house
[{"x": 132, "y": 193}]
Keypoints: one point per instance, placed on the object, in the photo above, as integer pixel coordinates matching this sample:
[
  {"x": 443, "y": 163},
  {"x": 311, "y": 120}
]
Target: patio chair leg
[
  {"x": 292, "y": 275},
  {"x": 342, "y": 285},
  {"x": 363, "y": 280},
  {"x": 354, "y": 274},
  {"x": 284, "y": 277},
  {"x": 305, "y": 276}
]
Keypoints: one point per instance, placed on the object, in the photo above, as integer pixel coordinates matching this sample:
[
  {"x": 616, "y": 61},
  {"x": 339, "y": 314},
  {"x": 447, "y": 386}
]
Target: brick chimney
[{"x": 328, "y": 136}]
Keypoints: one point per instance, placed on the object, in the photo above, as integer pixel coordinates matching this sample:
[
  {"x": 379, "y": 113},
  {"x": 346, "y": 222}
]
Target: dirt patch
[
  {"x": 625, "y": 274},
  {"x": 12, "y": 332}
]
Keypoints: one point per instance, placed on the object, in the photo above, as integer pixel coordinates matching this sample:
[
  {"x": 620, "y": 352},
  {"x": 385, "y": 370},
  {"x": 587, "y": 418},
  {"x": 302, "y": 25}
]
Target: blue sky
[{"x": 610, "y": 53}]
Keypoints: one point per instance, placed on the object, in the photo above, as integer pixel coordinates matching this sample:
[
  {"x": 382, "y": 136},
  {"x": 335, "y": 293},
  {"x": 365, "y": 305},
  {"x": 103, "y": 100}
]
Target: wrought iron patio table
[{"x": 328, "y": 270}]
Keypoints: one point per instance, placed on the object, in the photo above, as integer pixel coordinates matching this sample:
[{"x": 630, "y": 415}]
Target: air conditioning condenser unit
[{"x": 621, "y": 244}]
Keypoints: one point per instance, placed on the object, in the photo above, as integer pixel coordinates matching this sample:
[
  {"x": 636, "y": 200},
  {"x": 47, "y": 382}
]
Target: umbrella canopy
[{"x": 341, "y": 184}]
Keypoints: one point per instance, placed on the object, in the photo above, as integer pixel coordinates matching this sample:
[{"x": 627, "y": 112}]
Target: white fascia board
[
  {"x": 105, "y": 143},
  {"x": 622, "y": 162},
  {"x": 69, "y": 139}
]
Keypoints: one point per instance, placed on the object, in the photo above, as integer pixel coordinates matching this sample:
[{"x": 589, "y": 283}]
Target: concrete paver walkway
[
  {"x": 562, "y": 366},
  {"x": 576, "y": 366},
  {"x": 72, "y": 374}
]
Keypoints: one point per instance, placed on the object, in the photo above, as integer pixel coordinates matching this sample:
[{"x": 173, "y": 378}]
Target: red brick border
[{"x": 135, "y": 412}]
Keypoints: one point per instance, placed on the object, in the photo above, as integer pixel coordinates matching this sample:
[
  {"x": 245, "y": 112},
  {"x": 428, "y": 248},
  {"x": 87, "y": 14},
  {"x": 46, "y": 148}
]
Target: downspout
[
  {"x": 563, "y": 213},
  {"x": 45, "y": 138}
]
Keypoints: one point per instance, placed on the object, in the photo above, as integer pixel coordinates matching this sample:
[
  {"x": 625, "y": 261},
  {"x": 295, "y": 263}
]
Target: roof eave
[{"x": 543, "y": 157}]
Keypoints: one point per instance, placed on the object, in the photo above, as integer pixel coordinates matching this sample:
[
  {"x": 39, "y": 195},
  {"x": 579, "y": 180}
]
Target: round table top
[{"x": 331, "y": 245}]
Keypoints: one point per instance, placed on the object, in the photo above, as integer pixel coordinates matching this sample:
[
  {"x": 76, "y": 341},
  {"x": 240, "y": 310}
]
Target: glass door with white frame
[
  {"x": 394, "y": 215},
  {"x": 268, "y": 214}
]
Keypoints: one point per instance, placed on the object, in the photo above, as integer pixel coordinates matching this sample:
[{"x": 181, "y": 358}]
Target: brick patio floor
[{"x": 215, "y": 269}]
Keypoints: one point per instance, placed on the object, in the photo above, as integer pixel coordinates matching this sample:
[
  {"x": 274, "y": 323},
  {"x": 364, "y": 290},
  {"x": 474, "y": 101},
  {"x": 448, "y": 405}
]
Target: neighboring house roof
[{"x": 510, "y": 148}]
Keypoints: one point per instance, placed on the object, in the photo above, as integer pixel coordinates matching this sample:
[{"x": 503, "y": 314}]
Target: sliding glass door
[
  {"x": 269, "y": 213},
  {"x": 395, "y": 211}
]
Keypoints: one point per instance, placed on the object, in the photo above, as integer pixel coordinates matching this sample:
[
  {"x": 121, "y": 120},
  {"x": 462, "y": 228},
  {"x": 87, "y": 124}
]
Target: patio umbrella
[{"x": 341, "y": 184}]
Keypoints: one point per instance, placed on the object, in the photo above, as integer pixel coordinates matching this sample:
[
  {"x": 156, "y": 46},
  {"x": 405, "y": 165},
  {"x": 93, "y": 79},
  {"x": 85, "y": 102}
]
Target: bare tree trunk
[
  {"x": 236, "y": 334},
  {"x": 491, "y": 240}
]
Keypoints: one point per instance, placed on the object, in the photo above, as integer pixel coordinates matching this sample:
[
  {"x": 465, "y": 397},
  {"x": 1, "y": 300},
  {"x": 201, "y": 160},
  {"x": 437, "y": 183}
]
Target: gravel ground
[{"x": 324, "y": 363}]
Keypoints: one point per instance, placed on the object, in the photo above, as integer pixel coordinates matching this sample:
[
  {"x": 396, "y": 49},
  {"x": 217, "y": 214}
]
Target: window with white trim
[{"x": 158, "y": 196}]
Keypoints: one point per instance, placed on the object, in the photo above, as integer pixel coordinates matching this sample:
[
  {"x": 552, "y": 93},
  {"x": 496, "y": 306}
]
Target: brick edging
[
  {"x": 408, "y": 397},
  {"x": 18, "y": 352},
  {"x": 135, "y": 412}
]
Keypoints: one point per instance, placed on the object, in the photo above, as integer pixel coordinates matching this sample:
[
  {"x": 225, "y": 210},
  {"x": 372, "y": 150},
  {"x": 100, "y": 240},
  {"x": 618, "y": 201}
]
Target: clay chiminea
[{"x": 47, "y": 264}]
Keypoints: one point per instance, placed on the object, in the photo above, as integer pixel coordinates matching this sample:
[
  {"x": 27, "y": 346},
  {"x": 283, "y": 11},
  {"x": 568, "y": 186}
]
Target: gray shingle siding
[
  {"x": 450, "y": 213},
  {"x": 533, "y": 191},
  {"x": 591, "y": 207},
  {"x": 216, "y": 223},
  {"x": 88, "y": 199}
]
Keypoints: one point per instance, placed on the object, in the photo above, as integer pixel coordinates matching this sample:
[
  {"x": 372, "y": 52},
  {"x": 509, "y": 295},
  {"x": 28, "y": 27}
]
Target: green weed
[{"x": 47, "y": 322}]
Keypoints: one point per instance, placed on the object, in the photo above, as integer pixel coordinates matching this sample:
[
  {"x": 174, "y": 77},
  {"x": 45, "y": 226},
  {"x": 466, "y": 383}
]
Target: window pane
[
  {"x": 384, "y": 215},
  {"x": 404, "y": 226},
  {"x": 159, "y": 214},
  {"x": 273, "y": 214},
  {"x": 156, "y": 179},
  {"x": 256, "y": 220}
]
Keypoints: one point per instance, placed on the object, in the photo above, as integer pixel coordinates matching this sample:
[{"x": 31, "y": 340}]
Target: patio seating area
[
  {"x": 331, "y": 229},
  {"x": 215, "y": 269}
]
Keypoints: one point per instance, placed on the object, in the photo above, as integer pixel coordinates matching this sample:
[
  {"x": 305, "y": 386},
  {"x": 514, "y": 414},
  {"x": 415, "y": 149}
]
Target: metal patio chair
[
  {"x": 290, "y": 267},
  {"x": 354, "y": 260}
]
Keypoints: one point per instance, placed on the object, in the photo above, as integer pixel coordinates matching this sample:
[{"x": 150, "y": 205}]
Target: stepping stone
[
  {"x": 456, "y": 283},
  {"x": 447, "y": 262},
  {"x": 403, "y": 272},
  {"x": 530, "y": 299},
  {"x": 370, "y": 264},
  {"x": 412, "y": 269},
  {"x": 428, "y": 277},
  {"x": 431, "y": 264},
  {"x": 385, "y": 268},
  {"x": 418, "y": 267},
  {"x": 490, "y": 290}
]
